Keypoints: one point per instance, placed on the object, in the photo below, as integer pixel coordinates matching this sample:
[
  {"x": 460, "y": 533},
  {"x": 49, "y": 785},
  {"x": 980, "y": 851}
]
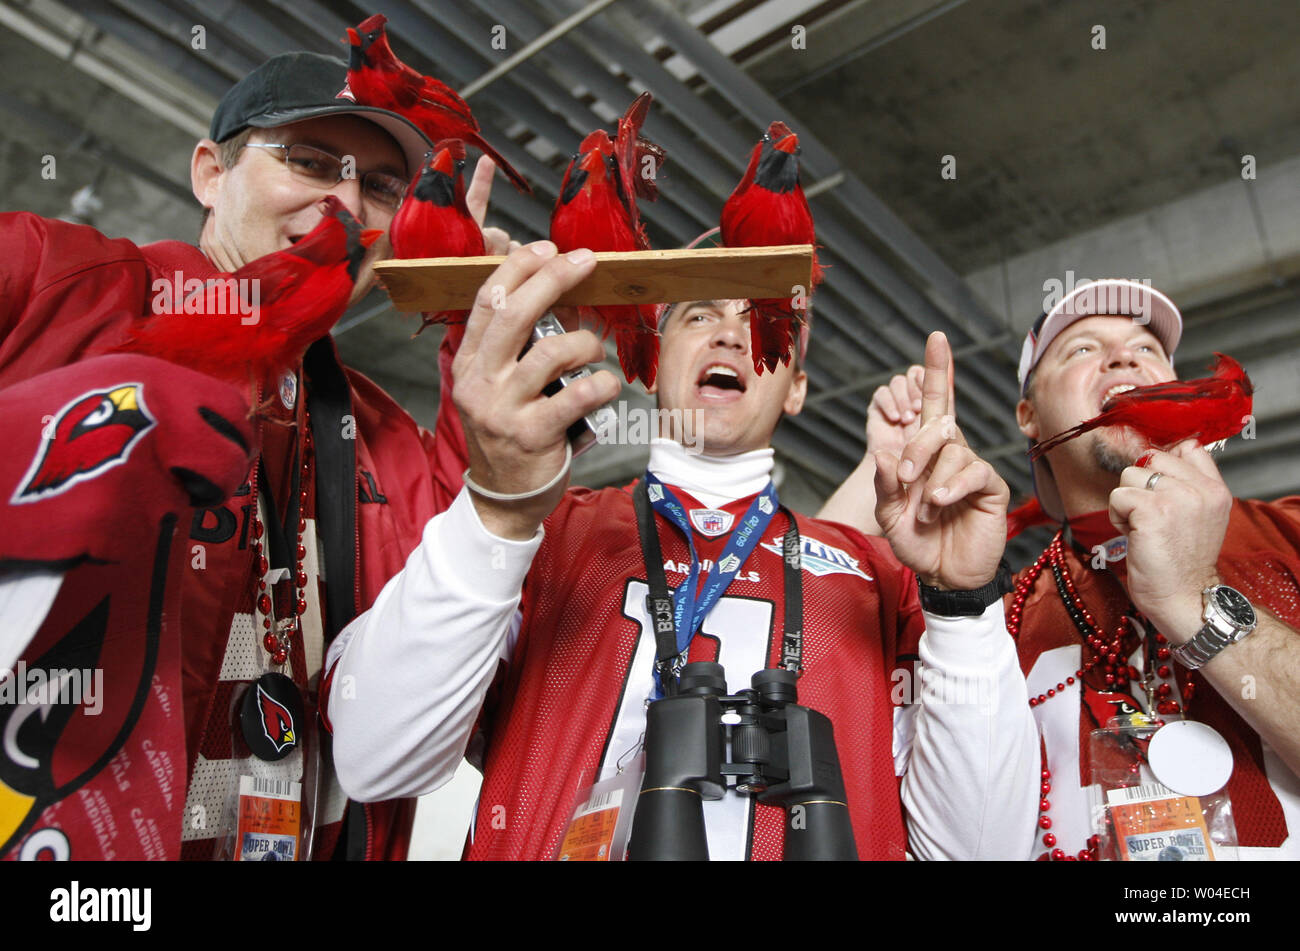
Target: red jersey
[
  {"x": 575, "y": 688},
  {"x": 1261, "y": 558}
]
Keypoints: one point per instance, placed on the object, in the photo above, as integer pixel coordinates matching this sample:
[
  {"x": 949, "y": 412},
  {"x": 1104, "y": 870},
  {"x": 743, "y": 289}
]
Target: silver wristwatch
[{"x": 1228, "y": 618}]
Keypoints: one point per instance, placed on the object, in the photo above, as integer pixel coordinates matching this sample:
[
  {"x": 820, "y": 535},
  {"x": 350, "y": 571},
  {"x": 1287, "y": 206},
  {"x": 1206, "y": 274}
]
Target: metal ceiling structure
[{"x": 566, "y": 68}]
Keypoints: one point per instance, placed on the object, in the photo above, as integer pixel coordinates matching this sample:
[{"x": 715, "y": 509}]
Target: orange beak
[
  {"x": 443, "y": 163},
  {"x": 370, "y": 235},
  {"x": 353, "y": 37},
  {"x": 593, "y": 163},
  {"x": 789, "y": 144}
]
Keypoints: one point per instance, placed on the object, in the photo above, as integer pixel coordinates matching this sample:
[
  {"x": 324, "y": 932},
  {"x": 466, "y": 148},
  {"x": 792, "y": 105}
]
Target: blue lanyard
[{"x": 690, "y": 610}]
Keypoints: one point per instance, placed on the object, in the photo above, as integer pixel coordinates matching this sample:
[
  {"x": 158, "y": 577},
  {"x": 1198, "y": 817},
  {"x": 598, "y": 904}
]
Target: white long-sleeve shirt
[{"x": 413, "y": 671}]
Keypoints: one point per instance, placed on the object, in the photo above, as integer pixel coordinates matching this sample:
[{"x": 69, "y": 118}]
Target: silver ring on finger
[{"x": 1151, "y": 482}]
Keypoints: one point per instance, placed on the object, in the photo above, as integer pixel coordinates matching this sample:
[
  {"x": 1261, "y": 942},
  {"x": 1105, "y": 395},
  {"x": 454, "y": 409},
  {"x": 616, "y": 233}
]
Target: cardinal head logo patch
[
  {"x": 277, "y": 721},
  {"x": 270, "y": 716},
  {"x": 94, "y": 432}
]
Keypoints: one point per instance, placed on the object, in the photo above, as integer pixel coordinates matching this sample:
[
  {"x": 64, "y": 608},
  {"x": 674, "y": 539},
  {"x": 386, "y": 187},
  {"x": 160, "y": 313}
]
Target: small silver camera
[{"x": 584, "y": 432}]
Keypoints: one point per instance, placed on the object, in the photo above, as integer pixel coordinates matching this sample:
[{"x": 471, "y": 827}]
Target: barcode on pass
[
  {"x": 1146, "y": 792},
  {"x": 271, "y": 788},
  {"x": 609, "y": 799}
]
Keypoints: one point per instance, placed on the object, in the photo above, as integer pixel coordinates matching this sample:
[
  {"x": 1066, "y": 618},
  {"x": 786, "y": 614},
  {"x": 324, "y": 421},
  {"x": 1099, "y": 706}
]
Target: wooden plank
[{"x": 620, "y": 277}]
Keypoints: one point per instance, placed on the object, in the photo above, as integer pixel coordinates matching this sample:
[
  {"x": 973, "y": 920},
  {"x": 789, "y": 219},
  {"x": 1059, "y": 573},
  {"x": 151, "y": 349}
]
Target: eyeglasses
[{"x": 322, "y": 170}]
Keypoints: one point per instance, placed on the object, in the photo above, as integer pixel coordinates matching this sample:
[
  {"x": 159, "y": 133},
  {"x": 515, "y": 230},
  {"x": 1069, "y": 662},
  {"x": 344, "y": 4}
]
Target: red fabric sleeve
[
  {"x": 65, "y": 290},
  {"x": 1261, "y": 555}
]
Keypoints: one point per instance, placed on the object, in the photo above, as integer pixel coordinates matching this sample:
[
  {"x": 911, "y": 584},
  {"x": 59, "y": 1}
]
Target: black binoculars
[{"x": 760, "y": 741}]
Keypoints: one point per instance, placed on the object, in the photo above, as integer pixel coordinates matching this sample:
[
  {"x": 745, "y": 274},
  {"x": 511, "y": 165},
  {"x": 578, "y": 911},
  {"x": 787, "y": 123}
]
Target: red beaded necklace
[
  {"x": 290, "y": 602},
  {"x": 1107, "y": 653}
]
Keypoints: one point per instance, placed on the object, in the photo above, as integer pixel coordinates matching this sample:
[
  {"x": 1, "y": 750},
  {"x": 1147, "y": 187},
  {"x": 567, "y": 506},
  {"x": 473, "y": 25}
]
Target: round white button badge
[
  {"x": 289, "y": 389},
  {"x": 1190, "y": 758}
]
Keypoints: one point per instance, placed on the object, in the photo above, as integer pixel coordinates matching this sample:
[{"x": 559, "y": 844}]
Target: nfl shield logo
[
  {"x": 289, "y": 389},
  {"x": 712, "y": 522}
]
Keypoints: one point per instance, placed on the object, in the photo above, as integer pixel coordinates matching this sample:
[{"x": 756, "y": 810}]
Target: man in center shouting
[{"x": 520, "y": 627}]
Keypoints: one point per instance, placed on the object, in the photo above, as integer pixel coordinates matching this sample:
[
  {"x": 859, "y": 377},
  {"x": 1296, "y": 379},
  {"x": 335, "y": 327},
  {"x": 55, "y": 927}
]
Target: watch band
[
  {"x": 968, "y": 603},
  {"x": 1201, "y": 649},
  {"x": 1217, "y": 633}
]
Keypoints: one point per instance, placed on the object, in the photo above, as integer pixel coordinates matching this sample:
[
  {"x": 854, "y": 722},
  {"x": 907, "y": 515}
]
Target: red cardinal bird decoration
[
  {"x": 597, "y": 209},
  {"x": 376, "y": 77},
  {"x": 1026, "y": 517},
  {"x": 768, "y": 207},
  {"x": 638, "y": 159},
  {"x": 259, "y": 320},
  {"x": 434, "y": 222},
  {"x": 1208, "y": 410}
]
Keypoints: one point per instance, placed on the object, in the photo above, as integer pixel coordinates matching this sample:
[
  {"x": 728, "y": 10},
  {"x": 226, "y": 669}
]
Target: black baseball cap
[{"x": 296, "y": 86}]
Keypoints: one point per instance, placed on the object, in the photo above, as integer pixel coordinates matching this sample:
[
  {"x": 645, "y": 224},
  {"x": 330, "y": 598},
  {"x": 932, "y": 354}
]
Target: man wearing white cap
[{"x": 1160, "y": 595}]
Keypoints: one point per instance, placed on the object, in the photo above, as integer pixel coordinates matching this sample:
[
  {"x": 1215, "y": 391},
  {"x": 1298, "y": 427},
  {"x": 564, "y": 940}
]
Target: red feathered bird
[
  {"x": 434, "y": 222},
  {"x": 377, "y": 77},
  {"x": 1026, "y": 517},
  {"x": 1165, "y": 414},
  {"x": 259, "y": 320},
  {"x": 597, "y": 209},
  {"x": 638, "y": 159},
  {"x": 768, "y": 208}
]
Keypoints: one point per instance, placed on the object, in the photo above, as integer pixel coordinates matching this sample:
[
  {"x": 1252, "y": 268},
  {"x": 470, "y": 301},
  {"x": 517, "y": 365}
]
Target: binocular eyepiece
[{"x": 760, "y": 739}]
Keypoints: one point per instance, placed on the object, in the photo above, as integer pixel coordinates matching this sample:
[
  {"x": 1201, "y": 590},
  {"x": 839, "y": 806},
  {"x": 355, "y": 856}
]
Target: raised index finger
[
  {"x": 936, "y": 384},
  {"x": 480, "y": 189}
]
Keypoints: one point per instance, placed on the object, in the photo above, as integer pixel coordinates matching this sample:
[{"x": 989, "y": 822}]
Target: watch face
[{"x": 1234, "y": 606}]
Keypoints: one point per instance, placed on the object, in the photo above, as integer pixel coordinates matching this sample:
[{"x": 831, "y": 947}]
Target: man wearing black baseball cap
[
  {"x": 215, "y": 730},
  {"x": 283, "y": 136}
]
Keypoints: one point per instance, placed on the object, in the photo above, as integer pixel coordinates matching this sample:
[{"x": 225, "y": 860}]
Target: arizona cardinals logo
[
  {"x": 92, "y": 433},
  {"x": 52, "y": 739},
  {"x": 277, "y": 721},
  {"x": 1105, "y": 706}
]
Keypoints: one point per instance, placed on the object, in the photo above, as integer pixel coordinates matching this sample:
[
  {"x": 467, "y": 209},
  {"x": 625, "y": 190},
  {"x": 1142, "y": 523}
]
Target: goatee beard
[{"x": 1108, "y": 458}]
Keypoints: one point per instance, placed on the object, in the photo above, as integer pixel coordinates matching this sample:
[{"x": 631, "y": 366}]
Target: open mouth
[
  {"x": 1115, "y": 391},
  {"x": 720, "y": 381},
  {"x": 295, "y": 238}
]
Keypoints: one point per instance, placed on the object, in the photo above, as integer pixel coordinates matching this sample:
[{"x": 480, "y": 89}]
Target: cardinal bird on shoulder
[
  {"x": 767, "y": 208},
  {"x": 297, "y": 295},
  {"x": 434, "y": 222},
  {"x": 1210, "y": 409},
  {"x": 376, "y": 77},
  {"x": 597, "y": 209}
]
